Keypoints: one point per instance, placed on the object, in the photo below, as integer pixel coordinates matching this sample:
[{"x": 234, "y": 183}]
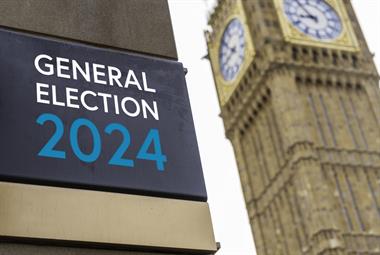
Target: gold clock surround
[
  {"x": 347, "y": 40},
  {"x": 226, "y": 88}
]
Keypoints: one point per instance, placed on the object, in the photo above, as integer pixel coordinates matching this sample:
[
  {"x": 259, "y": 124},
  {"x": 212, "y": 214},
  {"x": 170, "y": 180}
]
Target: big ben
[{"x": 300, "y": 100}]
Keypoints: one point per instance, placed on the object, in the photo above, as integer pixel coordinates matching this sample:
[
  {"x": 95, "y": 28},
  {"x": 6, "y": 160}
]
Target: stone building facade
[{"x": 303, "y": 116}]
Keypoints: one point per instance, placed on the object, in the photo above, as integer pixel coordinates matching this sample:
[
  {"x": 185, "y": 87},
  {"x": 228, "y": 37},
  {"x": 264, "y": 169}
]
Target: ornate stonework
[{"x": 304, "y": 121}]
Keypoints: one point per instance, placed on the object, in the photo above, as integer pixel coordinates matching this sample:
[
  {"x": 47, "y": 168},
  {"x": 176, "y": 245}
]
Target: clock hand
[
  {"x": 228, "y": 59},
  {"x": 303, "y": 8},
  {"x": 308, "y": 14},
  {"x": 232, "y": 51},
  {"x": 309, "y": 17}
]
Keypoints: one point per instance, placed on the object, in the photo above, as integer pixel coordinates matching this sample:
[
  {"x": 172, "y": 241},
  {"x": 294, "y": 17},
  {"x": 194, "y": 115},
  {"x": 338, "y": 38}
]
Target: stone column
[
  {"x": 141, "y": 26},
  {"x": 313, "y": 195}
]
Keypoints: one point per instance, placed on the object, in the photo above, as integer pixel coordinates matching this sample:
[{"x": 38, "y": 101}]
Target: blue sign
[{"x": 80, "y": 116}]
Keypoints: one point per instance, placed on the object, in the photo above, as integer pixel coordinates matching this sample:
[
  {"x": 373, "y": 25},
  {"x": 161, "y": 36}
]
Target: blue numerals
[
  {"x": 48, "y": 150},
  {"x": 97, "y": 144},
  {"x": 153, "y": 137},
  {"x": 117, "y": 158},
  {"x": 149, "y": 150}
]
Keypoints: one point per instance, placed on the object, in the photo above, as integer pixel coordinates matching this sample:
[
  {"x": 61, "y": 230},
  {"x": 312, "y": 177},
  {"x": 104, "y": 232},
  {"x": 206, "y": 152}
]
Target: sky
[{"x": 229, "y": 216}]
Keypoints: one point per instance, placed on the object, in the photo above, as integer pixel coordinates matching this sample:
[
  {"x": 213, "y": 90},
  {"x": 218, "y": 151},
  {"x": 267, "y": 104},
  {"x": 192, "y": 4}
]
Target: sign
[{"x": 80, "y": 116}]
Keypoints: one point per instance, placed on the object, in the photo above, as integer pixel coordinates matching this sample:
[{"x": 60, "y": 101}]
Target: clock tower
[{"x": 299, "y": 96}]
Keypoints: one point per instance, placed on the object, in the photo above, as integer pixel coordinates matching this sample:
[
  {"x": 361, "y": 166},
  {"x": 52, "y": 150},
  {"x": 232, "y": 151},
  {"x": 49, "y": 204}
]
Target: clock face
[
  {"x": 231, "y": 50},
  {"x": 315, "y": 18}
]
